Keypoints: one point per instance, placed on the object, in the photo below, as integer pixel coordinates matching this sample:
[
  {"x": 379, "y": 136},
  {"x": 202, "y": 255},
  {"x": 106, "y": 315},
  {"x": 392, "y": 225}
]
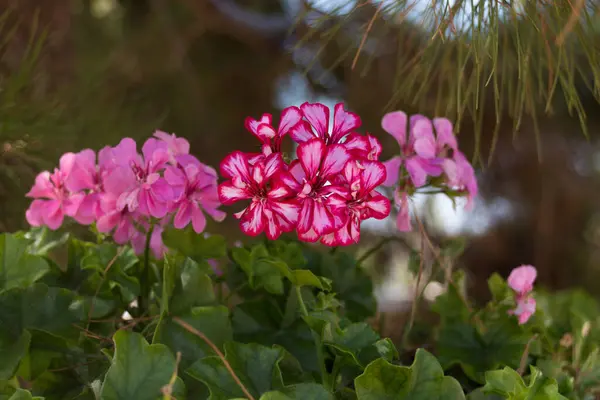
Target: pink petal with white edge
[
  {"x": 444, "y": 132},
  {"x": 379, "y": 206},
  {"x": 258, "y": 174},
  {"x": 279, "y": 190},
  {"x": 273, "y": 164},
  {"x": 306, "y": 215},
  {"x": 229, "y": 193},
  {"x": 265, "y": 132},
  {"x": 310, "y": 154},
  {"x": 317, "y": 115},
  {"x": 301, "y": 132},
  {"x": 290, "y": 117},
  {"x": 394, "y": 123},
  {"x": 309, "y": 236},
  {"x": 373, "y": 175},
  {"x": 287, "y": 210},
  {"x": 236, "y": 165},
  {"x": 252, "y": 124},
  {"x": 323, "y": 220},
  {"x": 392, "y": 171},
  {"x": 343, "y": 122},
  {"x": 336, "y": 157},
  {"x": 252, "y": 221}
]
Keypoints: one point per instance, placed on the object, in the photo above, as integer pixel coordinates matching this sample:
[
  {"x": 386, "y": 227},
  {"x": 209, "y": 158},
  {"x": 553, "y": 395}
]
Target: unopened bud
[
  {"x": 567, "y": 340},
  {"x": 585, "y": 329}
]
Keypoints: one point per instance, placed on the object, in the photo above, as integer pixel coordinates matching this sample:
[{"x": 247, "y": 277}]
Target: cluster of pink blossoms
[
  {"x": 324, "y": 194},
  {"x": 521, "y": 281},
  {"x": 429, "y": 157},
  {"x": 125, "y": 192}
]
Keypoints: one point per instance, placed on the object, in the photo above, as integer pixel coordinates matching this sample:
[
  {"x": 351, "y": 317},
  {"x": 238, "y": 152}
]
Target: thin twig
[
  {"x": 523, "y": 362},
  {"x": 214, "y": 348},
  {"x": 571, "y": 22},
  {"x": 364, "y": 38},
  {"x": 108, "y": 266},
  {"x": 167, "y": 390}
]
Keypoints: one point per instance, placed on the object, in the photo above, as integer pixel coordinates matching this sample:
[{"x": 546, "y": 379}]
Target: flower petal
[
  {"x": 273, "y": 164},
  {"x": 424, "y": 140},
  {"x": 310, "y": 154},
  {"x": 323, "y": 220},
  {"x": 373, "y": 175},
  {"x": 444, "y": 133},
  {"x": 394, "y": 123},
  {"x": 183, "y": 215},
  {"x": 317, "y": 115},
  {"x": 392, "y": 171},
  {"x": 301, "y": 132},
  {"x": 344, "y": 122},
  {"x": 229, "y": 193},
  {"x": 417, "y": 174},
  {"x": 236, "y": 165},
  {"x": 521, "y": 279},
  {"x": 252, "y": 221},
  {"x": 290, "y": 117},
  {"x": 288, "y": 210},
  {"x": 336, "y": 157},
  {"x": 305, "y": 218},
  {"x": 198, "y": 219},
  {"x": 42, "y": 187}
]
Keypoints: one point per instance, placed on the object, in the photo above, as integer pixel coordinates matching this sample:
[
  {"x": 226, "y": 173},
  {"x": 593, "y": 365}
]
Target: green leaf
[
  {"x": 255, "y": 366},
  {"x": 509, "y": 384},
  {"x": 359, "y": 344},
  {"x": 11, "y": 353},
  {"x": 262, "y": 322},
  {"x": 423, "y": 380},
  {"x": 21, "y": 394},
  {"x": 193, "y": 288},
  {"x": 212, "y": 321},
  {"x": 301, "y": 391},
  {"x": 304, "y": 277},
  {"x": 262, "y": 269},
  {"x": 193, "y": 245},
  {"x": 116, "y": 265},
  {"x": 353, "y": 286},
  {"x": 449, "y": 305},
  {"x": 18, "y": 268},
  {"x": 138, "y": 370},
  {"x": 503, "y": 343},
  {"x": 498, "y": 288},
  {"x": 37, "y": 307}
]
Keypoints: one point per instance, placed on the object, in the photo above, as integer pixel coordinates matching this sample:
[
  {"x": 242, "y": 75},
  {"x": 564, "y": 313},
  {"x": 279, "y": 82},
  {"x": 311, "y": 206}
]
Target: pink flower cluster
[
  {"x": 126, "y": 193},
  {"x": 521, "y": 281},
  {"x": 324, "y": 194},
  {"x": 429, "y": 157}
]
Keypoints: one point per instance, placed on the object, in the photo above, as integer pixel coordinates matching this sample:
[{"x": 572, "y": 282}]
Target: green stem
[
  {"x": 318, "y": 344},
  {"x": 379, "y": 246},
  {"x": 146, "y": 278}
]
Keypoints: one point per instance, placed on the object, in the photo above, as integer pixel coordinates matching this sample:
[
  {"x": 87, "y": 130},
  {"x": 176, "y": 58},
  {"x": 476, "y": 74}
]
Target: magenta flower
[
  {"x": 157, "y": 247},
  {"x": 316, "y": 123},
  {"x": 363, "y": 147},
  {"x": 415, "y": 150},
  {"x": 196, "y": 187},
  {"x": 119, "y": 222},
  {"x": 136, "y": 179},
  {"x": 460, "y": 175},
  {"x": 175, "y": 145},
  {"x": 53, "y": 200},
  {"x": 271, "y": 209},
  {"x": 403, "y": 221},
  {"x": 521, "y": 281},
  {"x": 361, "y": 202},
  {"x": 263, "y": 129},
  {"x": 318, "y": 165}
]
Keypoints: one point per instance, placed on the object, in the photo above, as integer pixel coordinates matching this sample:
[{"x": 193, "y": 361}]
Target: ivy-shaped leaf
[
  {"x": 211, "y": 321},
  {"x": 423, "y": 380},
  {"x": 509, "y": 384},
  {"x": 19, "y": 268},
  {"x": 21, "y": 394},
  {"x": 301, "y": 391},
  {"x": 138, "y": 370},
  {"x": 255, "y": 366},
  {"x": 503, "y": 343},
  {"x": 11, "y": 353},
  {"x": 194, "y": 246},
  {"x": 359, "y": 344}
]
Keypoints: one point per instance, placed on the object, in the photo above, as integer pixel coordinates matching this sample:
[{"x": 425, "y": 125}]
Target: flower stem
[
  {"x": 318, "y": 344},
  {"x": 146, "y": 277}
]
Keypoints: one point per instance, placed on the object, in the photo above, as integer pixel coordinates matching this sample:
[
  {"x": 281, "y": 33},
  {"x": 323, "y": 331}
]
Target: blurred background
[{"x": 85, "y": 73}]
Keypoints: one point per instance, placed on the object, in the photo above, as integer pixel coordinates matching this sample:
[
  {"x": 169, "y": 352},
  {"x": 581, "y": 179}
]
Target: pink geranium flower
[
  {"x": 403, "y": 221},
  {"x": 53, "y": 200},
  {"x": 417, "y": 150},
  {"x": 271, "y": 209},
  {"x": 157, "y": 247},
  {"x": 270, "y": 137},
  {"x": 316, "y": 123},
  {"x": 115, "y": 220},
  {"x": 521, "y": 281},
  {"x": 363, "y": 146},
  {"x": 175, "y": 145},
  {"x": 196, "y": 185},
  {"x": 460, "y": 175},
  {"x": 361, "y": 202},
  {"x": 136, "y": 179},
  {"x": 318, "y": 165}
]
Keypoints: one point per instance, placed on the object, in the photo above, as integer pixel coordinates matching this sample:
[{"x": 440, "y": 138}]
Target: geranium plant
[{"x": 153, "y": 307}]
